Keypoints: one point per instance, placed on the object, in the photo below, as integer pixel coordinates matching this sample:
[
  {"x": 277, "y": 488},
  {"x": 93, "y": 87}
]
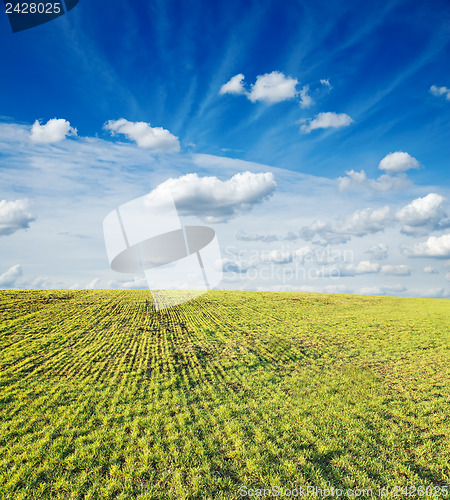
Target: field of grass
[{"x": 102, "y": 397}]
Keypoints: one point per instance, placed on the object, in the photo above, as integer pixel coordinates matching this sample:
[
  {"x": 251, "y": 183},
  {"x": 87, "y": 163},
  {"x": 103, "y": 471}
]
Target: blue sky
[{"x": 356, "y": 82}]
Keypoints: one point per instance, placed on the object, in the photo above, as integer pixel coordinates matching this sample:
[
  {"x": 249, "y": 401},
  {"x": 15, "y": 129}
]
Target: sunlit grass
[{"x": 103, "y": 397}]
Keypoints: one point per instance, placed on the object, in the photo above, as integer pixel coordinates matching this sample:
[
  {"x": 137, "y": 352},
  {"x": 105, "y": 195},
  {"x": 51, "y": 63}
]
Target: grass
[{"x": 103, "y": 397}]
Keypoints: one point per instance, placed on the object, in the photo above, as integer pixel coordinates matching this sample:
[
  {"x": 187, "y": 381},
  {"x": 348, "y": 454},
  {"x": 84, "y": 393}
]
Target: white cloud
[
  {"x": 277, "y": 257},
  {"x": 9, "y": 277},
  {"x": 55, "y": 130},
  {"x": 366, "y": 221},
  {"x": 427, "y": 213},
  {"x": 437, "y": 247},
  {"x": 326, "y": 120},
  {"x": 273, "y": 87},
  {"x": 14, "y": 215},
  {"x": 306, "y": 101},
  {"x": 213, "y": 199},
  {"x": 378, "y": 252},
  {"x": 363, "y": 267},
  {"x": 360, "y": 223},
  {"x": 145, "y": 136},
  {"x": 421, "y": 215},
  {"x": 270, "y": 88},
  {"x": 233, "y": 86},
  {"x": 430, "y": 270},
  {"x": 389, "y": 183},
  {"x": 337, "y": 289},
  {"x": 355, "y": 181},
  {"x": 93, "y": 284},
  {"x": 303, "y": 252},
  {"x": 266, "y": 238},
  {"x": 400, "y": 270},
  {"x": 349, "y": 270},
  {"x": 440, "y": 91},
  {"x": 137, "y": 283},
  {"x": 352, "y": 180},
  {"x": 447, "y": 276},
  {"x": 428, "y": 292},
  {"x": 398, "y": 162},
  {"x": 326, "y": 83},
  {"x": 383, "y": 290}
]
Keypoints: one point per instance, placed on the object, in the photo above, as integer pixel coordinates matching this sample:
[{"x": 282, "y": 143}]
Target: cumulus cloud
[
  {"x": 400, "y": 270},
  {"x": 213, "y": 199},
  {"x": 273, "y": 87},
  {"x": 14, "y": 215},
  {"x": 378, "y": 252},
  {"x": 10, "y": 277},
  {"x": 424, "y": 214},
  {"x": 55, "y": 130},
  {"x": 145, "y": 136},
  {"x": 363, "y": 267},
  {"x": 326, "y": 120},
  {"x": 352, "y": 180},
  {"x": 420, "y": 216},
  {"x": 355, "y": 181},
  {"x": 437, "y": 247},
  {"x": 398, "y": 162},
  {"x": 360, "y": 223},
  {"x": 447, "y": 276},
  {"x": 326, "y": 83},
  {"x": 440, "y": 91},
  {"x": 306, "y": 101},
  {"x": 430, "y": 270},
  {"x": 270, "y": 88},
  {"x": 234, "y": 86}
]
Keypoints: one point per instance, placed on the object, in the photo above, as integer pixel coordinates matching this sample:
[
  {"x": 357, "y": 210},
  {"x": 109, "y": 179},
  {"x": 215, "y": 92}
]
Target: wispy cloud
[
  {"x": 326, "y": 120},
  {"x": 306, "y": 101}
]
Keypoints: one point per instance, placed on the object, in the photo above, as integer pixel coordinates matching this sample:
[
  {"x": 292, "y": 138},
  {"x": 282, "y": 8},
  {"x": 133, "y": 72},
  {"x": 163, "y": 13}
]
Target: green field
[{"x": 103, "y": 397}]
